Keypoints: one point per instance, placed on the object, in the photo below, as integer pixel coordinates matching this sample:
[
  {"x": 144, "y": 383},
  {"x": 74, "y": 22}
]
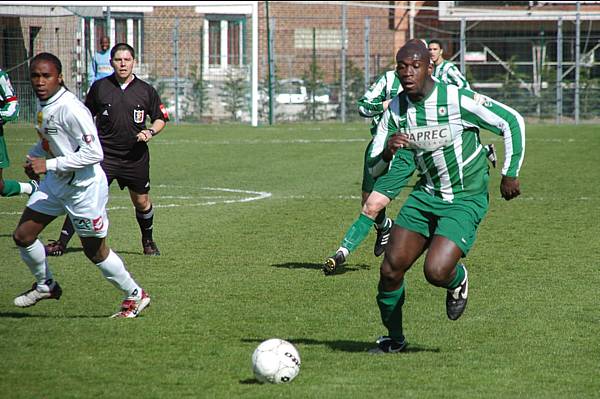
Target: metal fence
[{"x": 322, "y": 57}]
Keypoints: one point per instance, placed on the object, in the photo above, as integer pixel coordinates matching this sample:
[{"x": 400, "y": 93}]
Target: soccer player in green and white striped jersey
[
  {"x": 438, "y": 125},
  {"x": 446, "y": 72},
  {"x": 371, "y": 105},
  {"x": 9, "y": 111}
]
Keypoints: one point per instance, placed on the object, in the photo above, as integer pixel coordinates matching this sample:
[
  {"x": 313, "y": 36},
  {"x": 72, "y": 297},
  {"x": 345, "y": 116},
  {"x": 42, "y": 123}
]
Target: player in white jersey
[{"x": 69, "y": 153}]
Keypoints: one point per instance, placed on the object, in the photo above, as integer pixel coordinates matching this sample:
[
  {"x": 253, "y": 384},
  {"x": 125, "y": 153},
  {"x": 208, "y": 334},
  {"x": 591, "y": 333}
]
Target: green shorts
[
  {"x": 457, "y": 221},
  {"x": 4, "y": 161},
  {"x": 394, "y": 180}
]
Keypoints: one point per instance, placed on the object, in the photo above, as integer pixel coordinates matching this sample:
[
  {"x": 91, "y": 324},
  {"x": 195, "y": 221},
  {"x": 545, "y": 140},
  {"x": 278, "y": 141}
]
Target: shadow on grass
[
  {"x": 319, "y": 266},
  {"x": 351, "y": 346},
  {"x": 250, "y": 381},
  {"x": 80, "y": 249},
  {"x": 71, "y": 250},
  {"x": 16, "y": 315}
]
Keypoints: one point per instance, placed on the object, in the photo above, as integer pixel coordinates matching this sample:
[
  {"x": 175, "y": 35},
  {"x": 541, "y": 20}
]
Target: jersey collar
[{"x": 54, "y": 98}]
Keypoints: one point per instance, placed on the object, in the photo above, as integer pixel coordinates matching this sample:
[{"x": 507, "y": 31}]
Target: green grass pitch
[{"x": 245, "y": 217}]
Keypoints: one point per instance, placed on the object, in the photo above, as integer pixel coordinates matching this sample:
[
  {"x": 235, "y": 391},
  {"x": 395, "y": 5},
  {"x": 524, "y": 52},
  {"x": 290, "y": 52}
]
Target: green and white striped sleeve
[
  {"x": 9, "y": 106},
  {"x": 499, "y": 119},
  {"x": 386, "y": 127},
  {"x": 452, "y": 76},
  {"x": 371, "y": 103}
]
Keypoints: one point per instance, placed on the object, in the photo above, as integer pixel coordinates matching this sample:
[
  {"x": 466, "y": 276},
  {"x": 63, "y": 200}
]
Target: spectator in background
[
  {"x": 9, "y": 111},
  {"x": 101, "y": 66}
]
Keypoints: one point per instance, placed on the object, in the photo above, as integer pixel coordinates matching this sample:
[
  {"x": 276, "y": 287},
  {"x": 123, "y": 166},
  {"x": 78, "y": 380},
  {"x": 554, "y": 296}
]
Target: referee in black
[{"x": 121, "y": 103}]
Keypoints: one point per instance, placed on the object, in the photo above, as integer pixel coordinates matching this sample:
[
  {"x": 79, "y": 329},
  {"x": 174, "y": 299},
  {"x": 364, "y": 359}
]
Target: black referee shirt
[{"x": 121, "y": 114}]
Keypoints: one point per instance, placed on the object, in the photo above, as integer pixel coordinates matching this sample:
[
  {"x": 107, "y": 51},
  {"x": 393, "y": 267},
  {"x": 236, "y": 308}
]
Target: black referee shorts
[{"x": 133, "y": 174}]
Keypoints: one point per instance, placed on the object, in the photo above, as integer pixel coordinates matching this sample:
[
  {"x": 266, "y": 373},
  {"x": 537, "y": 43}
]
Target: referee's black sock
[{"x": 146, "y": 220}]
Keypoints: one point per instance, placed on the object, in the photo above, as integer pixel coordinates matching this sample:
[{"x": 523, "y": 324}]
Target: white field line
[
  {"x": 20, "y": 141},
  {"x": 253, "y": 196},
  {"x": 262, "y": 195}
]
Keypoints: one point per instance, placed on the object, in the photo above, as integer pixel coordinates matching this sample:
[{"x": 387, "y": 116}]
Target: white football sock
[
  {"x": 113, "y": 269},
  {"x": 35, "y": 258},
  {"x": 344, "y": 250},
  {"x": 26, "y": 188}
]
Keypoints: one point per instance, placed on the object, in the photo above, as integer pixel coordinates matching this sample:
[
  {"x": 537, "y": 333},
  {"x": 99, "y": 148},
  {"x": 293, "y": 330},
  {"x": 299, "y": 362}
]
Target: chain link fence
[{"x": 322, "y": 56}]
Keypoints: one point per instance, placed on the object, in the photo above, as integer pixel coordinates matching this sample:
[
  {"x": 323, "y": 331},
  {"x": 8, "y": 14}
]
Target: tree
[
  {"x": 355, "y": 87},
  {"x": 198, "y": 98},
  {"x": 234, "y": 93},
  {"x": 313, "y": 80}
]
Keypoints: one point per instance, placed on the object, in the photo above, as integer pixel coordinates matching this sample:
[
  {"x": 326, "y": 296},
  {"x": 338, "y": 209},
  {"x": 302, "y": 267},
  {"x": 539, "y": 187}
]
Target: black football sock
[{"x": 146, "y": 221}]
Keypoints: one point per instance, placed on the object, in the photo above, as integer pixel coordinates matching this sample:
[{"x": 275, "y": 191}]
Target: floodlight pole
[
  {"x": 577, "y": 60},
  {"x": 343, "y": 66},
  {"x": 176, "y": 67},
  {"x": 269, "y": 61},
  {"x": 254, "y": 96},
  {"x": 108, "y": 23},
  {"x": 559, "y": 67},
  {"x": 367, "y": 54},
  {"x": 463, "y": 45}
]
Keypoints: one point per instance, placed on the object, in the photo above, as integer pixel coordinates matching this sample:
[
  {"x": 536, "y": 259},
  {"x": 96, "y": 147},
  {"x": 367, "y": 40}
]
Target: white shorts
[{"x": 86, "y": 206}]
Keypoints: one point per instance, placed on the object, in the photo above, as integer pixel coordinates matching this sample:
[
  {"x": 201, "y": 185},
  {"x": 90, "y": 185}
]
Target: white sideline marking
[
  {"x": 254, "y": 196},
  {"x": 313, "y": 197},
  {"x": 258, "y": 141},
  {"x": 238, "y": 142},
  {"x": 264, "y": 194},
  {"x": 20, "y": 141}
]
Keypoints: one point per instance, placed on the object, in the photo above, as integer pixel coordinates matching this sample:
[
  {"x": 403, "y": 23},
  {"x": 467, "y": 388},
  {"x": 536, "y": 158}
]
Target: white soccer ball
[{"x": 276, "y": 361}]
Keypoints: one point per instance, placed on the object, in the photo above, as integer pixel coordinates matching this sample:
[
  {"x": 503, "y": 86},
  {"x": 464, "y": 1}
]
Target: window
[
  {"x": 234, "y": 29},
  {"x": 225, "y": 40},
  {"x": 99, "y": 29},
  {"x": 214, "y": 43},
  {"x": 121, "y": 31}
]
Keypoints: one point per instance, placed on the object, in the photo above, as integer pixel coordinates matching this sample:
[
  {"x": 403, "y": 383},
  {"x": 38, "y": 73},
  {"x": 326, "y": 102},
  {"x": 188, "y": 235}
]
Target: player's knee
[
  {"x": 1, "y": 186},
  {"x": 437, "y": 274},
  {"x": 22, "y": 239},
  {"x": 95, "y": 249},
  {"x": 372, "y": 208},
  {"x": 142, "y": 205},
  {"x": 392, "y": 270}
]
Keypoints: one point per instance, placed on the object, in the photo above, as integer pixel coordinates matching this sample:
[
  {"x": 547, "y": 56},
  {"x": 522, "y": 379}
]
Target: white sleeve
[{"x": 79, "y": 125}]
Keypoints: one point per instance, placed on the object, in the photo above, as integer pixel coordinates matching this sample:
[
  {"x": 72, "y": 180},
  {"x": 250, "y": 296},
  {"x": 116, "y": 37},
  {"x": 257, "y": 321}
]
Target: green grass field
[{"x": 244, "y": 219}]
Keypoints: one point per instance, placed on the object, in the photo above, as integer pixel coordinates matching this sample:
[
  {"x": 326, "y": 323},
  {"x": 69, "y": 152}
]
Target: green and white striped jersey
[
  {"x": 370, "y": 105},
  {"x": 444, "y": 138},
  {"x": 448, "y": 73},
  {"x": 9, "y": 106}
]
